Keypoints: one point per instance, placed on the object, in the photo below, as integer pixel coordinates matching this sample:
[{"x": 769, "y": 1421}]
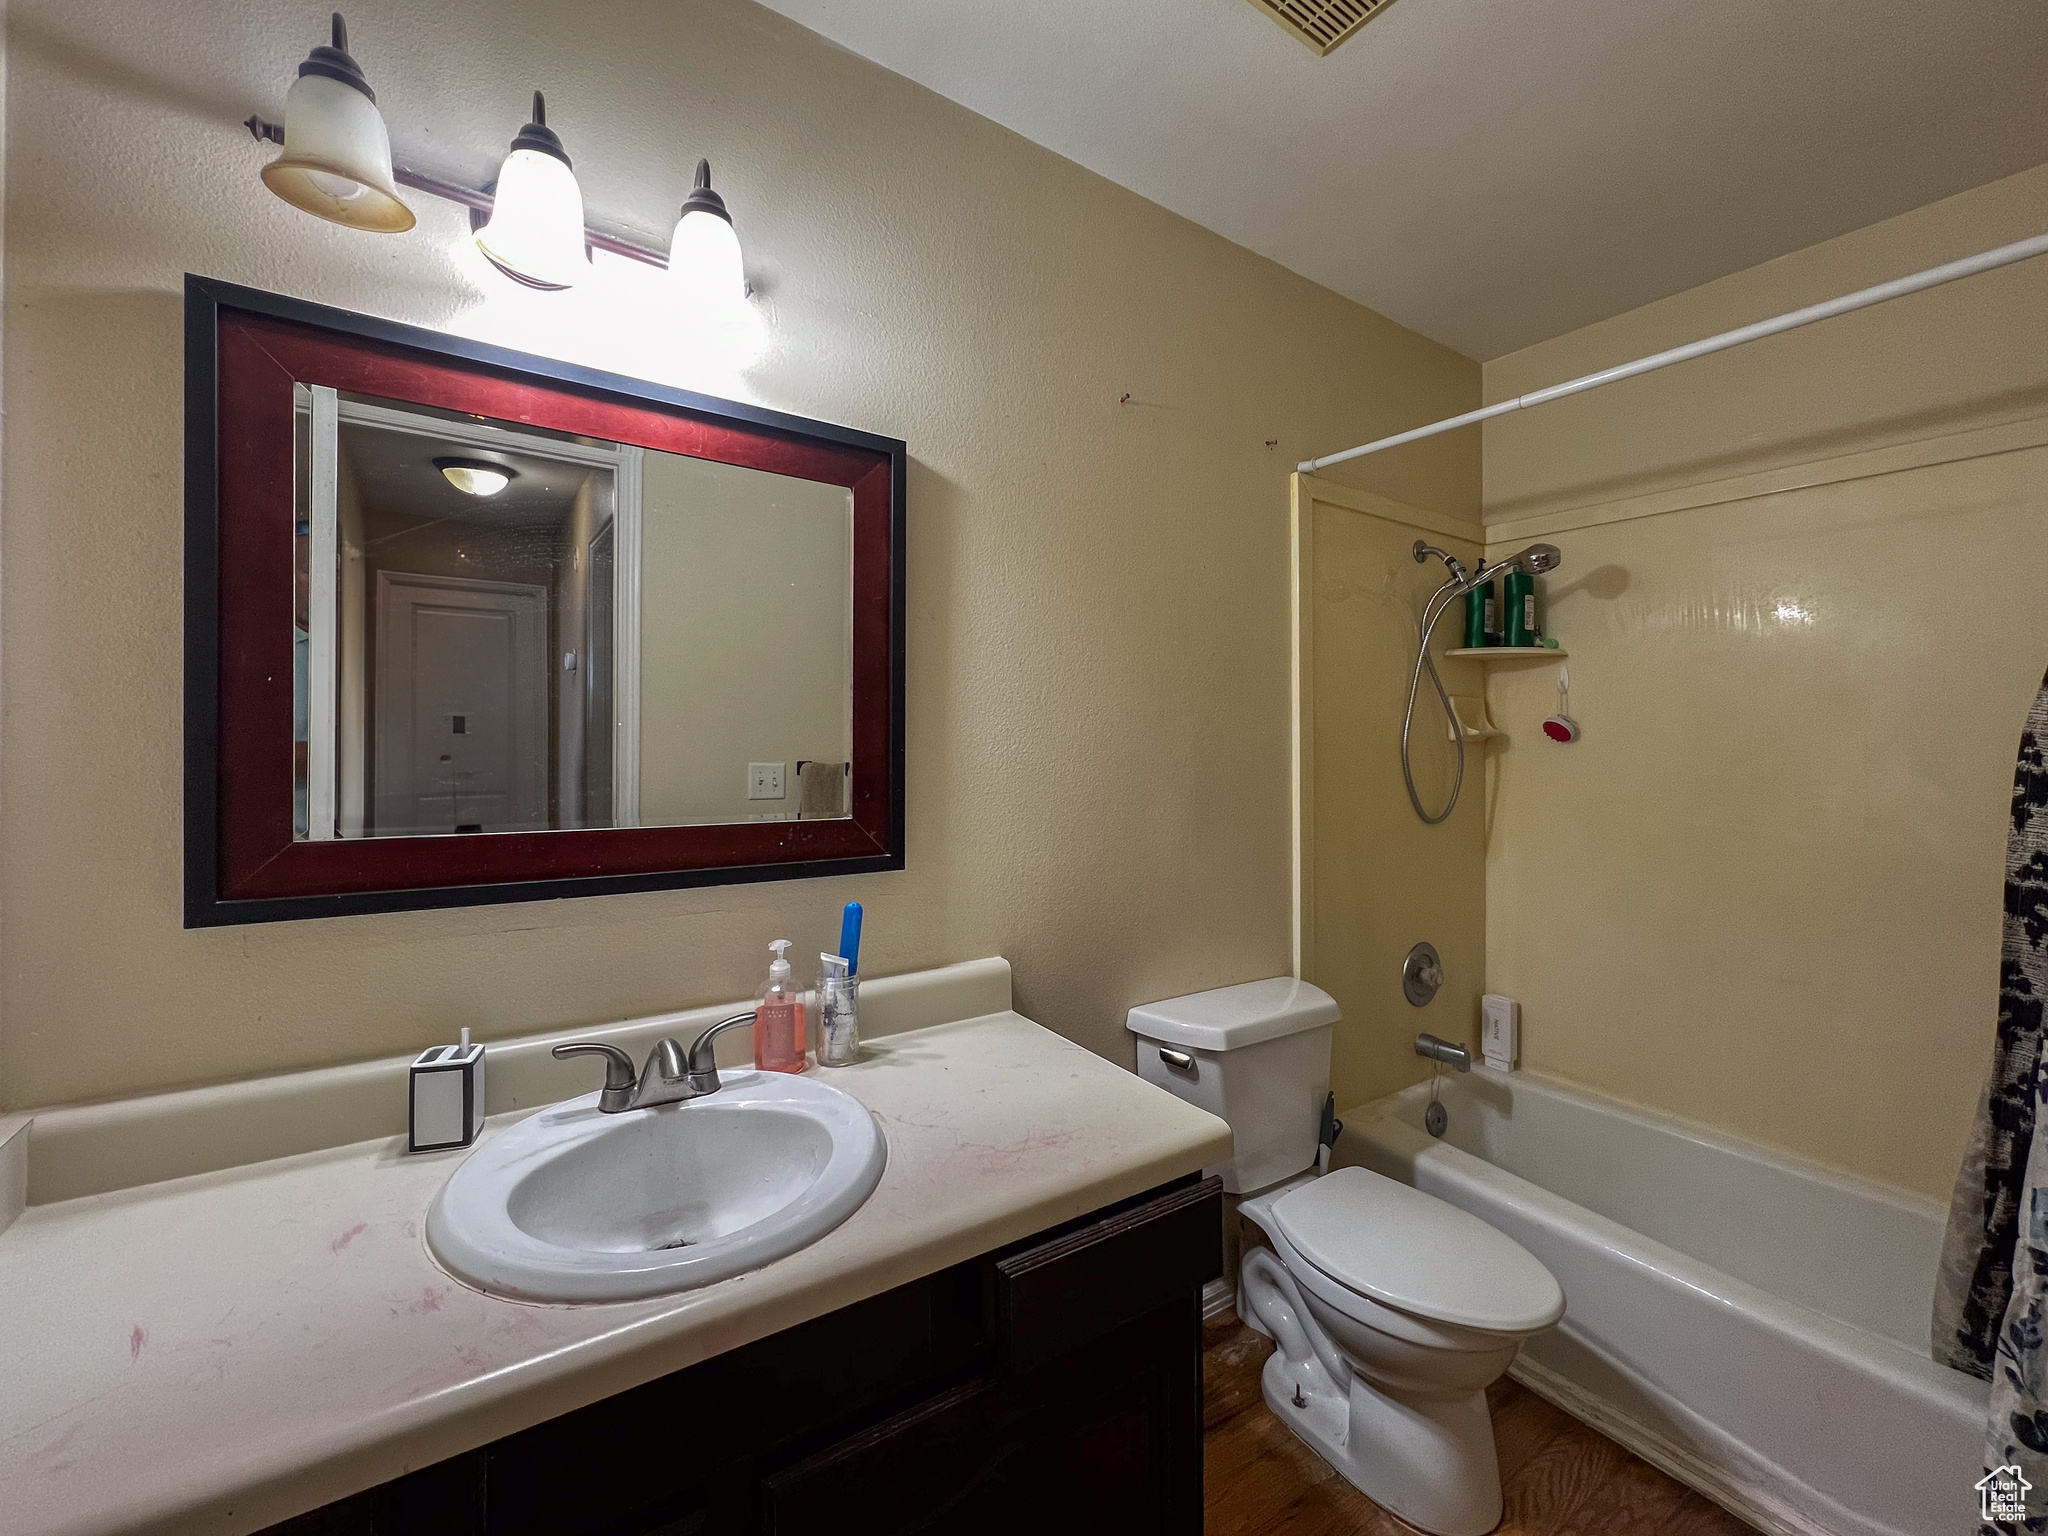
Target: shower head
[{"x": 1536, "y": 559}]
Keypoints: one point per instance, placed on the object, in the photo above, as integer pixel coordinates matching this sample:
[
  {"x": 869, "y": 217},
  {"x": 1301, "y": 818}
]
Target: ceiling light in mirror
[
  {"x": 535, "y": 231},
  {"x": 476, "y": 477}
]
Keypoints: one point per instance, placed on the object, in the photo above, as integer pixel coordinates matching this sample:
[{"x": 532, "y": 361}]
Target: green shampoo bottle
[
  {"x": 1520, "y": 590},
  {"x": 1481, "y": 627}
]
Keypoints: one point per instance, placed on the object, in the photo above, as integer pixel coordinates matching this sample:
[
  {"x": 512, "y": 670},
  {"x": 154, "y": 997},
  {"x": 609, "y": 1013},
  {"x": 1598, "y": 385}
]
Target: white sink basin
[{"x": 574, "y": 1205}]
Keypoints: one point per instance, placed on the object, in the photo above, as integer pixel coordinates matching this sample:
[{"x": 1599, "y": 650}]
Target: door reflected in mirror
[{"x": 498, "y": 628}]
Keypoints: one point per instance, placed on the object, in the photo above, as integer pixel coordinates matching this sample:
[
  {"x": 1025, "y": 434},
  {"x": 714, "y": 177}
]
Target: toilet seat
[{"x": 1410, "y": 1251}]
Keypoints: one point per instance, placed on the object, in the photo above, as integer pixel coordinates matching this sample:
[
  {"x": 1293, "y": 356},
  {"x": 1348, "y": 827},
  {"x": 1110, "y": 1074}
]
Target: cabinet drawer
[{"x": 1060, "y": 1294}]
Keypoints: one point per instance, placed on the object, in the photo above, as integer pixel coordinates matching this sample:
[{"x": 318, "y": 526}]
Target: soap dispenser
[{"x": 779, "y": 1037}]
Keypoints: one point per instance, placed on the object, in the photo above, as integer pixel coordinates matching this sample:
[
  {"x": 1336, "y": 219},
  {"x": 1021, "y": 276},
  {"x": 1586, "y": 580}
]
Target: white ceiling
[{"x": 1495, "y": 172}]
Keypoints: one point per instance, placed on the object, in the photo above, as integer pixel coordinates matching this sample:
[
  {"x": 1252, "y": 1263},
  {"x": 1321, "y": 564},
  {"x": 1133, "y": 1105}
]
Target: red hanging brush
[{"x": 1561, "y": 726}]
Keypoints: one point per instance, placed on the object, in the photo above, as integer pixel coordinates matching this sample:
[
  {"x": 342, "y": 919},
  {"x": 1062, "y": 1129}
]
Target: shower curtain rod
[{"x": 1863, "y": 298}]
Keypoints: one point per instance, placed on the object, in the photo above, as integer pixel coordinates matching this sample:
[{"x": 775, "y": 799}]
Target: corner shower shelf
[
  {"x": 1472, "y": 716},
  {"x": 1509, "y": 653}
]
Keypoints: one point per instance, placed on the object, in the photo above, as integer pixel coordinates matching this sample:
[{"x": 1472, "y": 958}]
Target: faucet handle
[
  {"x": 619, "y": 1081},
  {"x": 703, "y": 1059}
]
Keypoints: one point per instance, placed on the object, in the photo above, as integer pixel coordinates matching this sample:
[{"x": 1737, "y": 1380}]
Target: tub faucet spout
[{"x": 1442, "y": 1050}]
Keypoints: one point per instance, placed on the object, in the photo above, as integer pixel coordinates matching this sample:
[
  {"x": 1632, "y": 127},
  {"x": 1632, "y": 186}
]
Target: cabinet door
[
  {"x": 1091, "y": 1419},
  {"x": 1106, "y": 1439},
  {"x": 683, "y": 1455}
]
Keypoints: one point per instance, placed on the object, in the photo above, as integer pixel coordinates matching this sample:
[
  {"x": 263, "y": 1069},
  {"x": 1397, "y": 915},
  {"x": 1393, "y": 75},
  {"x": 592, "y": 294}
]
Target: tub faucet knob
[{"x": 1422, "y": 974}]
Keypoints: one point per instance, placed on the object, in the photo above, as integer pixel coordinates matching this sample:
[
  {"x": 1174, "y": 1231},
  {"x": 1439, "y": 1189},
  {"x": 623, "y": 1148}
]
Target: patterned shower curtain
[{"x": 1991, "y": 1302}]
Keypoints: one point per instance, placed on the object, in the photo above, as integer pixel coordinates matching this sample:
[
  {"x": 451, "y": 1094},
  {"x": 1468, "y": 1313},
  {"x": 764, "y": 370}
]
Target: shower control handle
[{"x": 1422, "y": 973}]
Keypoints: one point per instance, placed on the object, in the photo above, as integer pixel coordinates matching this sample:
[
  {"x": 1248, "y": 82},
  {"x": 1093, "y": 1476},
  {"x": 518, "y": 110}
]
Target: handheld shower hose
[{"x": 1537, "y": 557}]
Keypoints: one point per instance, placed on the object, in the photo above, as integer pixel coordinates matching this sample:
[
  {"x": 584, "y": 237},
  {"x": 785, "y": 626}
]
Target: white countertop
[{"x": 219, "y": 1352}]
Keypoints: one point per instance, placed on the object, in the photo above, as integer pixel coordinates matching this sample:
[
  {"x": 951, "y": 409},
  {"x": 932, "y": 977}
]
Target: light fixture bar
[{"x": 475, "y": 199}]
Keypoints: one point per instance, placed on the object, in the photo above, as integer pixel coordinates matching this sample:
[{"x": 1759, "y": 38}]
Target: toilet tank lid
[{"x": 1229, "y": 1017}]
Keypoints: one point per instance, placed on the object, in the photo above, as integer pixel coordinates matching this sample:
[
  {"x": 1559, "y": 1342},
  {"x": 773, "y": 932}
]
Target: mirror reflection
[{"x": 503, "y": 629}]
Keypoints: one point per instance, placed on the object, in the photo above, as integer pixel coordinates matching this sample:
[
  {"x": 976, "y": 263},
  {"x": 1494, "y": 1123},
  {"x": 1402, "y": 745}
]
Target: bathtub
[{"x": 1753, "y": 1324}]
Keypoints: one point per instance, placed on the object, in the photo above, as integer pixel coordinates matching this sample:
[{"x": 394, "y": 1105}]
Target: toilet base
[
  {"x": 1421, "y": 1447},
  {"x": 1431, "y": 1461}
]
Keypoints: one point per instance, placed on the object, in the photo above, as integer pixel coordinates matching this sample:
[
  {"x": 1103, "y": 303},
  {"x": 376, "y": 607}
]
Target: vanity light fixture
[
  {"x": 337, "y": 157},
  {"x": 535, "y": 231},
  {"x": 337, "y": 164},
  {"x": 476, "y": 477},
  {"x": 704, "y": 252}
]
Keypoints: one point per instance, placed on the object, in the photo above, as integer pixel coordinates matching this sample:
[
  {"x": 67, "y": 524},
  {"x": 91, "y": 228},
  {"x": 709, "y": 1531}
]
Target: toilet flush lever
[{"x": 1180, "y": 1059}]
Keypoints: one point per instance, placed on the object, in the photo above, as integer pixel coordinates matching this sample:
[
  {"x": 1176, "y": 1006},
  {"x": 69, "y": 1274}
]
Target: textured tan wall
[
  {"x": 1764, "y": 890},
  {"x": 1098, "y": 633}
]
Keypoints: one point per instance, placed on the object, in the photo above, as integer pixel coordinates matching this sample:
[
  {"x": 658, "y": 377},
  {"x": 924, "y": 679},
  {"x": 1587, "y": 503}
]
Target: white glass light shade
[
  {"x": 337, "y": 158},
  {"x": 476, "y": 479},
  {"x": 704, "y": 260},
  {"x": 536, "y": 225}
]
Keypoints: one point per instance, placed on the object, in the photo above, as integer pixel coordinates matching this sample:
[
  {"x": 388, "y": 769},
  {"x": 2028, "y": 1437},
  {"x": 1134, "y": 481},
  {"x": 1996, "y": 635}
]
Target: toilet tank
[{"x": 1258, "y": 1057}]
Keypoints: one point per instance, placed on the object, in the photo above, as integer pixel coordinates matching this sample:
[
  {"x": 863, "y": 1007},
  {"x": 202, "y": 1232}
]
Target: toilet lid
[{"x": 1418, "y": 1253}]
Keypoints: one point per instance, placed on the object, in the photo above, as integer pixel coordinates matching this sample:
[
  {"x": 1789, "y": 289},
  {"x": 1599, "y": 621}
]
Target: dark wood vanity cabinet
[{"x": 1053, "y": 1385}]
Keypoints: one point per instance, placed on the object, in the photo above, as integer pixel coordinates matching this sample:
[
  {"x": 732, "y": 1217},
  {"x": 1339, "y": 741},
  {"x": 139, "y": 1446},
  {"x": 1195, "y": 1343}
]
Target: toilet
[{"x": 1392, "y": 1310}]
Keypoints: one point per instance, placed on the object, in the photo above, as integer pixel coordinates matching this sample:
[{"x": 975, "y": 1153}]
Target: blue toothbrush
[{"x": 849, "y": 938}]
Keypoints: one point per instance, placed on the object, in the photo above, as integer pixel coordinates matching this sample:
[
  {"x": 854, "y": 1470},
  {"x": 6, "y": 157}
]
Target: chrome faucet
[
  {"x": 1442, "y": 1050},
  {"x": 670, "y": 1076}
]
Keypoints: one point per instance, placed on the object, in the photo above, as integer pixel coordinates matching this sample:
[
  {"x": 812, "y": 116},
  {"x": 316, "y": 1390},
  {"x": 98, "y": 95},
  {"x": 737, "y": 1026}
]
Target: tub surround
[
  {"x": 1766, "y": 551},
  {"x": 228, "y": 1349},
  {"x": 1371, "y": 878}
]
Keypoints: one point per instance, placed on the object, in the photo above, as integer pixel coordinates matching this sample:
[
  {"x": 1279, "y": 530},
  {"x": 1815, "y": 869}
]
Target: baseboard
[{"x": 1770, "y": 1517}]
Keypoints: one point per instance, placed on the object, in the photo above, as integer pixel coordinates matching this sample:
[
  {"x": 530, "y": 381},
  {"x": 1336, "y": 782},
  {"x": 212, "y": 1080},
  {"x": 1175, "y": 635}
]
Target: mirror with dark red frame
[{"x": 467, "y": 626}]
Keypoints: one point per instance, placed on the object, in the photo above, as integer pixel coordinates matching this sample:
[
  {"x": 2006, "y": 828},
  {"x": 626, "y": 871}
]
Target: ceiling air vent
[{"x": 1322, "y": 24}]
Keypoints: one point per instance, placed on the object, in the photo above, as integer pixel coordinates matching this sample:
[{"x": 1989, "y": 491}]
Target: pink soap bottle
[{"x": 779, "y": 1037}]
